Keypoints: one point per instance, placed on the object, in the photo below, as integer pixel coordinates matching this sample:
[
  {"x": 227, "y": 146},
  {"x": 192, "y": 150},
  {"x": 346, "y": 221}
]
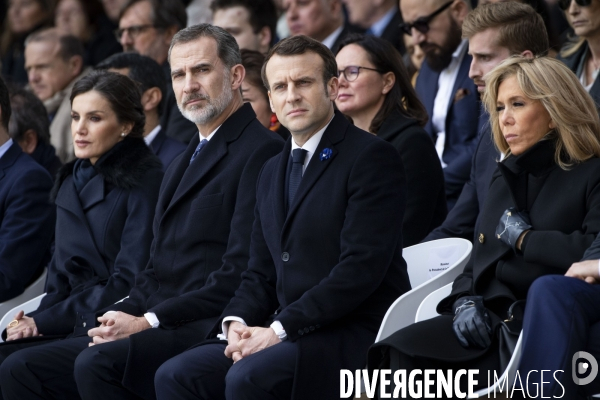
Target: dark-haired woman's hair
[
  {"x": 122, "y": 94},
  {"x": 402, "y": 97},
  {"x": 253, "y": 62}
]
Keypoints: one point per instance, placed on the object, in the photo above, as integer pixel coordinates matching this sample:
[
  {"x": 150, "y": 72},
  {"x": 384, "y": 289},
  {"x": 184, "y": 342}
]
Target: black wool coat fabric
[
  {"x": 332, "y": 265},
  {"x": 201, "y": 244},
  {"x": 425, "y": 195},
  {"x": 103, "y": 237},
  {"x": 564, "y": 208}
]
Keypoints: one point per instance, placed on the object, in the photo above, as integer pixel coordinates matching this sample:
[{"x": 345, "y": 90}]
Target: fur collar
[{"x": 124, "y": 167}]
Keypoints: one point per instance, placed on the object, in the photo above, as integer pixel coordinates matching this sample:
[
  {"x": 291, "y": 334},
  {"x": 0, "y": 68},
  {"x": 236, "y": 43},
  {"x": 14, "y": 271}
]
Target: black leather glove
[
  {"x": 512, "y": 224},
  {"x": 472, "y": 325}
]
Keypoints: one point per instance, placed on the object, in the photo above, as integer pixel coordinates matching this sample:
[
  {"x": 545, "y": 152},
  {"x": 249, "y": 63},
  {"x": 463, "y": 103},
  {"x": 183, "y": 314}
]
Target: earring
[{"x": 123, "y": 134}]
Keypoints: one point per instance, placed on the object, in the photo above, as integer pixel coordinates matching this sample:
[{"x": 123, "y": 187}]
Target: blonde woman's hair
[{"x": 571, "y": 108}]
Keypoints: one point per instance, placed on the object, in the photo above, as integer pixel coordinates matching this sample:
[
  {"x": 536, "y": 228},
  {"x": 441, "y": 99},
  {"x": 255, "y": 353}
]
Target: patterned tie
[
  {"x": 298, "y": 156},
  {"x": 198, "y": 148}
]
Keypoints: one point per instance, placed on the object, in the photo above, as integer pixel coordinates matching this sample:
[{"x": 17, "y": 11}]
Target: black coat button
[
  {"x": 300, "y": 332},
  {"x": 285, "y": 256},
  {"x": 312, "y": 328},
  {"x": 306, "y": 330}
]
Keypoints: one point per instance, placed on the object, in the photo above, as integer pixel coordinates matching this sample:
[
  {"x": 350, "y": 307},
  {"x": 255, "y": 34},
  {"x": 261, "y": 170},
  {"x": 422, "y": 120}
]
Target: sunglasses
[
  {"x": 565, "y": 4},
  {"x": 422, "y": 24}
]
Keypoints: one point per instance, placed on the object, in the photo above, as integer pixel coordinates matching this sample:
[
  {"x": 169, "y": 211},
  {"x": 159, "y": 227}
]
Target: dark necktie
[
  {"x": 298, "y": 156},
  {"x": 198, "y": 148}
]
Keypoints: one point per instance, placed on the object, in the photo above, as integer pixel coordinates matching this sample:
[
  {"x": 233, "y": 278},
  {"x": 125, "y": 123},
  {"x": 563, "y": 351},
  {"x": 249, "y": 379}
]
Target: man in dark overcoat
[
  {"x": 202, "y": 224},
  {"x": 326, "y": 253}
]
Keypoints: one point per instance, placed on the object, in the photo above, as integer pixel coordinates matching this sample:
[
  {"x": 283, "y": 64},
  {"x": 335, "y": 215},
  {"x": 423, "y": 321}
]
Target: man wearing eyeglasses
[
  {"x": 147, "y": 27},
  {"x": 443, "y": 85}
]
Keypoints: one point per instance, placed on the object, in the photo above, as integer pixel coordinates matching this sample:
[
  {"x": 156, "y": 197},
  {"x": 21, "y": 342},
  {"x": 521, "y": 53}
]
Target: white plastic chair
[
  {"x": 33, "y": 290},
  {"x": 27, "y": 307},
  {"x": 430, "y": 265},
  {"x": 427, "y": 310}
]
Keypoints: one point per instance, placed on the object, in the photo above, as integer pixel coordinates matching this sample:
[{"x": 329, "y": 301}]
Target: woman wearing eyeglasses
[
  {"x": 376, "y": 93},
  {"x": 582, "y": 55}
]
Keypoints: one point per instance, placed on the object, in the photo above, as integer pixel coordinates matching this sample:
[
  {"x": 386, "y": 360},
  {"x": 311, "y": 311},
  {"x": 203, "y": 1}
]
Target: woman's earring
[{"x": 123, "y": 134}]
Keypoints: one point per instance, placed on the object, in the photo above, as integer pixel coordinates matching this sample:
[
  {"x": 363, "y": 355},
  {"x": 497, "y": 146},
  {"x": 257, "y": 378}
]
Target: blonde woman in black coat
[
  {"x": 376, "y": 93},
  {"x": 105, "y": 203},
  {"x": 541, "y": 214}
]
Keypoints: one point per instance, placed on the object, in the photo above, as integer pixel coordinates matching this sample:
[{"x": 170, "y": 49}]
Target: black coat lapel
[
  {"x": 332, "y": 135},
  {"x": 280, "y": 176},
  {"x": 92, "y": 193},
  {"x": 67, "y": 199}
]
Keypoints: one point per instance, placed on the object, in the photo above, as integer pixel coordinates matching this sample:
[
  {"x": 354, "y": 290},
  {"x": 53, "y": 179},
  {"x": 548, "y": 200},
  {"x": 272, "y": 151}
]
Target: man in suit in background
[
  {"x": 30, "y": 128},
  {"x": 26, "y": 216},
  {"x": 54, "y": 62},
  {"x": 380, "y": 18},
  {"x": 149, "y": 76},
  {"x": 443, "y": 85},
  {"x": 147, "y": 27},
  {"x": 326, "y": 252},
  {"x": 322, "y": 20},
  {"x": 202, "y": 224},
  {"x": 251, "y": 22},
  {"x": 495, "y": 32}
]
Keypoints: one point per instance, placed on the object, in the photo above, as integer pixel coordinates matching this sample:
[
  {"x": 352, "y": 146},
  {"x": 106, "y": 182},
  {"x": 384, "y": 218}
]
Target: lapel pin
[{"x": 325, "y": 154}]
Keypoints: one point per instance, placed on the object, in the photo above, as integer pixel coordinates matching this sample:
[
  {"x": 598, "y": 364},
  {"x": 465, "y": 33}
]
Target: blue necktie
[
  {"x": 298, "y": 156},
  {"x": 198, "y": 148}
]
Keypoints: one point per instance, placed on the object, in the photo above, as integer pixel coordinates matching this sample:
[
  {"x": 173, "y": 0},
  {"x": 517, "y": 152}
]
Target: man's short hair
[
  {"x": 165, "y": 13},
  {"x": 143, "y": 70},
  {"x": 28, "y": 112},
  {"x": 261, "y": 12},
  {"x": 4, "y": 104},
  {"x": 300, "y": 44},
  {"x": 69, "y": 45},
  {"x": 520, "y": 27},
  {"x": 227, "y": 48}
]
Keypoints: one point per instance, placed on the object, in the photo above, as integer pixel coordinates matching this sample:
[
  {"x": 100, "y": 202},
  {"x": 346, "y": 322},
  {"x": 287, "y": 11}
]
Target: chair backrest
[
  {"x": 33, "y": 290},
  {"x": 427, "y": 308},
  {"x": 27, "y": 307},
  {"x": 427, "y": 260},
  {"x": 426, "y": 275}
]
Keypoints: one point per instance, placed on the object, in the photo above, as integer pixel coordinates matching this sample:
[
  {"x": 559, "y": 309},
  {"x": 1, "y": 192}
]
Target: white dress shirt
[
  {"x": 4, "y": 148},
  {"x": 378, "y": 27},
  {"x": 444, "y": 96},
  {"x": 152, "y": 135},
  {"x": 310, "y": 146},
  {"x": 330, "y": 40}
]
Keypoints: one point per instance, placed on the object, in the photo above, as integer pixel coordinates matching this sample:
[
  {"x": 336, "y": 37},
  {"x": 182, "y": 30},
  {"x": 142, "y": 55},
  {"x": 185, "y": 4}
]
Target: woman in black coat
[
  {"x": 376, "y": 93},
  {"x": 541, "y": 214},
  {"x": 105, "y": 207}
]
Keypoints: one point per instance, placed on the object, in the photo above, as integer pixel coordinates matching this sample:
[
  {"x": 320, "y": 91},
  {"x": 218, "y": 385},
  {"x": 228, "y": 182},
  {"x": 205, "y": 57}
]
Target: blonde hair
[{"x": 571, "y": 108}]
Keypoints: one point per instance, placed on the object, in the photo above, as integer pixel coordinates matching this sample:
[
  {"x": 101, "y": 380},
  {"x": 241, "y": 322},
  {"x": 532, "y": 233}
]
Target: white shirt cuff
[
  {"x": 152, "y": 320},
  {"x": 279, "y": 331},
  {"x": 225, "y": 326}
]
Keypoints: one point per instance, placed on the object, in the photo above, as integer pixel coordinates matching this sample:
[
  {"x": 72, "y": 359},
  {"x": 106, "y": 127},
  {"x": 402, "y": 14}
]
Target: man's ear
[
  {"x": 332, "y": 87},
  {"x": 459, "y": 10},
  {"x": 528, "y": 54},
  {"x": 271, "y": 102},
  {"x": 75, "y": 64},
  {"x": 265, "y": 37},
  {"x": 169, "y": 33},
  {"x": 29, "y": 141},
  {"x": 237, "y": 75},
  {"x": 151, "y": 99}
]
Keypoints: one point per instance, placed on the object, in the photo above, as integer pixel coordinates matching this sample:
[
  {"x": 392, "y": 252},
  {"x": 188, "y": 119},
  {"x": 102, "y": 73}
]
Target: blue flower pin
[{"x": 325, "y": 154}]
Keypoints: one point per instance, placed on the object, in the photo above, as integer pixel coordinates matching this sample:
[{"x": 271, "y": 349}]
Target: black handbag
[{"x": 509, "y": 331}]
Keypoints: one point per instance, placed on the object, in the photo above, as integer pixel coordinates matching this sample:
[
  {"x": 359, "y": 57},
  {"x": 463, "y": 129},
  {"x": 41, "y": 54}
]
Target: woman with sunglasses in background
[
  {"x": 375, "y": 91},
  {"x": 582, "y": 55}
]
